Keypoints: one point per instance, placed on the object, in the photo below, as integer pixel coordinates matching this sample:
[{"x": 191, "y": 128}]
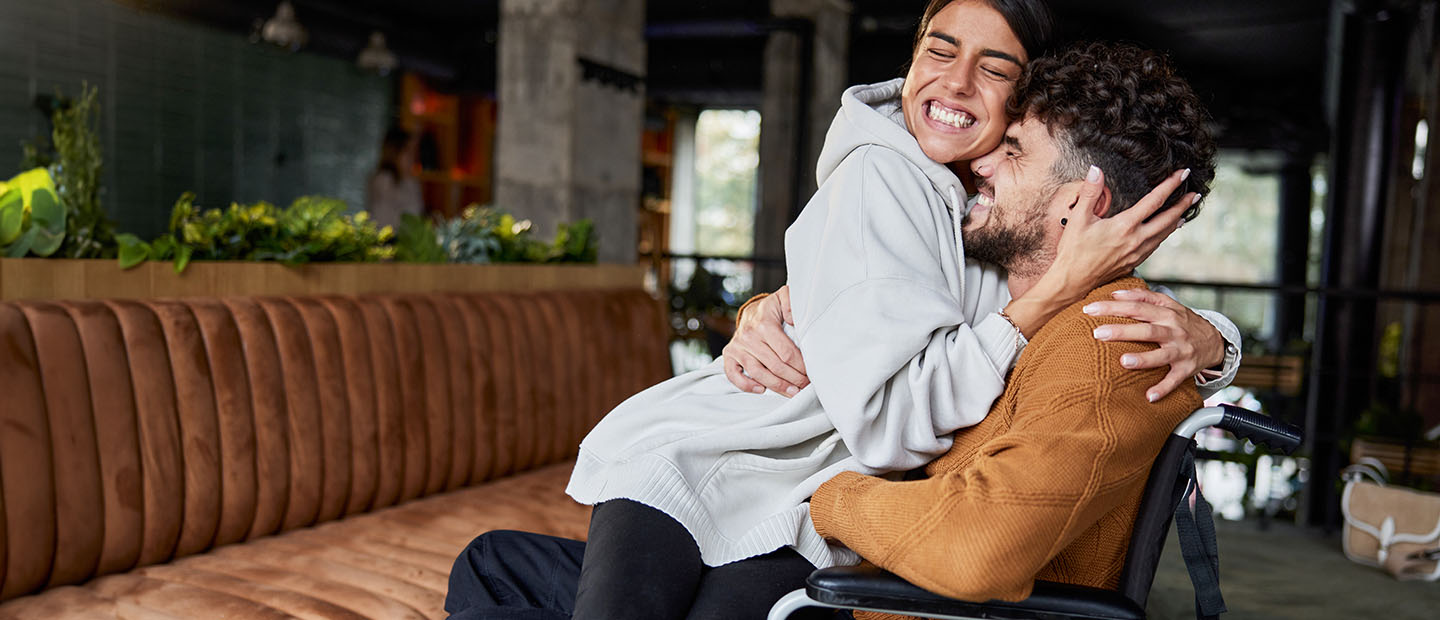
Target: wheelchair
[{"x": 867, "y": 588}]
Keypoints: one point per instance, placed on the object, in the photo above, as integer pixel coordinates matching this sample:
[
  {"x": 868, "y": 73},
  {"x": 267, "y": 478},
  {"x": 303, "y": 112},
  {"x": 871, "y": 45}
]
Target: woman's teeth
[{"x": 959, "y": 120}]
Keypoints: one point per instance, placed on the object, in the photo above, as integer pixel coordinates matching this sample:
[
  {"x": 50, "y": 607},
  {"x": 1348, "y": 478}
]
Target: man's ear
[{"x": 1102, "y": 205}]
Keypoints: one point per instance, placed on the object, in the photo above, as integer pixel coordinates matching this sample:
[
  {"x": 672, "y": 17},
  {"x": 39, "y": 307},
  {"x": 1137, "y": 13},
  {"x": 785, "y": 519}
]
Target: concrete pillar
[
  {"x": 806, "y": 69},
  {"x": 571, "y": 93}
]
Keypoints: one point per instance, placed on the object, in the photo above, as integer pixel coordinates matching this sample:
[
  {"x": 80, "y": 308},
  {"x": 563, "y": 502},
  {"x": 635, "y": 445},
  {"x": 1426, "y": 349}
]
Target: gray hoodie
[
  {"x": 900, "y": 338},
  {"x": 902, "y": 341}
]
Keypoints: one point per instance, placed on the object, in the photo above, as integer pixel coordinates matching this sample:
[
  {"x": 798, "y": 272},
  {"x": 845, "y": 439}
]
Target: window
[
  {"x": 727, "y": 158},
  {"x": 1234, "y": 239},
  {"x": 713, "y": 215}
]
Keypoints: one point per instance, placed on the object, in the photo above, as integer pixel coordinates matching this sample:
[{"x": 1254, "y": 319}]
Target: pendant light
[
  {"x": 283, "y": 30},
  {"x": 376, "y": 56}
]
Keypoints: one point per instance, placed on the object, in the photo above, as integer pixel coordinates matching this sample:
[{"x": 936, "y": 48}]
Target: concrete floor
[{"x": 1287, "y": 572}]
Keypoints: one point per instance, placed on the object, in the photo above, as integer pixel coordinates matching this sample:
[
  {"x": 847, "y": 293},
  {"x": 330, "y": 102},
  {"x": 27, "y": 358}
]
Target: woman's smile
[{"x": 953, "y": 117}]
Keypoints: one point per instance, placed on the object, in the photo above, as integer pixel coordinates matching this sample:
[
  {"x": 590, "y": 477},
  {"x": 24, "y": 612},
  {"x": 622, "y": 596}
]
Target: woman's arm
[
  {"x": 1187, "y": 339},
  {"x": 761, "y": 355}
]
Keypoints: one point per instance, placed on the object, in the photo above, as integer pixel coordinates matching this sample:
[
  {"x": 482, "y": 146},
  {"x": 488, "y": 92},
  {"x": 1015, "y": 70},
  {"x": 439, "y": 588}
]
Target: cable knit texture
[{"x": 1046, "y": 487}]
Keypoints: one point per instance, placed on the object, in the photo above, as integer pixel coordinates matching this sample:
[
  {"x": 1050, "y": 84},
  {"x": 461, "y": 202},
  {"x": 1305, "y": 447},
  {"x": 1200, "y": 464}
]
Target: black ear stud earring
[{"x": 1064, "y": 221}]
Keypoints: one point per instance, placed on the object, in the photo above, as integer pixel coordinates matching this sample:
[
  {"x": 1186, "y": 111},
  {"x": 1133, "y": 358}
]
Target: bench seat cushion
[
  {"x": 391, "y": 563},
  {"x": 138, "y": 433}
]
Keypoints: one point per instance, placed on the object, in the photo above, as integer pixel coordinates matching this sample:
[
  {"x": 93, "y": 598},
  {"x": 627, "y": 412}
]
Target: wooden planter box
[
  {"x": 1420, "y": 458},
  {"x": 51, "y": 278}
]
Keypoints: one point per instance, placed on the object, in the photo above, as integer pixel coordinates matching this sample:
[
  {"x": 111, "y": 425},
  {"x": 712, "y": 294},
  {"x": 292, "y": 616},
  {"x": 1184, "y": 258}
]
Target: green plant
[
  {"x": 416, "y": 241},
  {"x": 32, "y": 220},
  {"x": 74, "y": 159},
  {"x": 515, "y": 245},
  {"x": 471, "y": 238},
  {"x": 574, "y": 242},
  {"x": 311, "y": 229},
  {"x": 489, "y": 235}
]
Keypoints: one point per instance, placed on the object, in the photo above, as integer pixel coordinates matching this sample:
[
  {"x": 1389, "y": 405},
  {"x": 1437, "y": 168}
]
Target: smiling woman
[
  {"x": 962, "y": 72},
  {"x": 700, "y": 485}
]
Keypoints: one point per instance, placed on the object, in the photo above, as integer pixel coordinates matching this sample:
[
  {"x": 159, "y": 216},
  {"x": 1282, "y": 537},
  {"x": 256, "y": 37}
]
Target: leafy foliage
[
  {"x": 416, "y": 241},
  {"x": 472, "y": 237},
  {"x": 74, "y": 159},
  {"x": 32, "y": 220},
  {"x": 312, "y": 229},
  {"x": 489, "y": 235},
  {"x": 574, "y": 242}
]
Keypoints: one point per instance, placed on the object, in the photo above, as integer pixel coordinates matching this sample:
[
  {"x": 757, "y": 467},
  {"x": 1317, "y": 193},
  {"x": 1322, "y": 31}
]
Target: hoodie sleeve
[{"x": 873, "y": 269}]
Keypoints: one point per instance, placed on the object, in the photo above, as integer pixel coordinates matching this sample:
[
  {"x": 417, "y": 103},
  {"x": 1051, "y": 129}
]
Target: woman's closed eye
[
  {"x": 996, "y": 74},
  {"x": 942, "y": 54}
]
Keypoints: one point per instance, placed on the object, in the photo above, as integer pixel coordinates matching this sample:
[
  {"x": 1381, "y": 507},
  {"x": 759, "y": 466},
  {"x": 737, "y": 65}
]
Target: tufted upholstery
[{"x": 145, "y": 439}]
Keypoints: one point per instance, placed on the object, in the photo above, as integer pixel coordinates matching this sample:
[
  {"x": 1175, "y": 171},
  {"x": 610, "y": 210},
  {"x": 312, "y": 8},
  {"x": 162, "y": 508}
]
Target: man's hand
[
  {"x": 761, "y": 355},
  {"x": 1187, "y": 342}
]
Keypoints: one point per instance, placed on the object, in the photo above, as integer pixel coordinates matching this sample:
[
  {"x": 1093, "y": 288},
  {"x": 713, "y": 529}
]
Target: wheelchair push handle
[{"x": 1261, "y": 429}]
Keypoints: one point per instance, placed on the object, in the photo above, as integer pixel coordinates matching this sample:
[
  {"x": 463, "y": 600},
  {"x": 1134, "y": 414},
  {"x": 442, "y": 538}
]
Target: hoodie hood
[{"x": 870, "y": 114}]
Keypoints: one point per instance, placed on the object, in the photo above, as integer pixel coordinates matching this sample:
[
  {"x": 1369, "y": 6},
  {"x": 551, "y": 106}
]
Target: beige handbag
[{"x": 1391, "y": 528}]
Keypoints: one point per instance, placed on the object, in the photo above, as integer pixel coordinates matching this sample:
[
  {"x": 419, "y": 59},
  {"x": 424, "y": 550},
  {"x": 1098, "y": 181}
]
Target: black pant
[{"x": 639, "y": 563}]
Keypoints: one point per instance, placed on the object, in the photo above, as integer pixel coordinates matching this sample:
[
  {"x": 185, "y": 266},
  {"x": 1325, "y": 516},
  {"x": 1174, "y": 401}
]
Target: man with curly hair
[{"x": 1048, "y": 485}]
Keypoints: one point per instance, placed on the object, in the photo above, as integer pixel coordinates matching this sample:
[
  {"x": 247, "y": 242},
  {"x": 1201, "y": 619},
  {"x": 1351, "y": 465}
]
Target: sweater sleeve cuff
[
  {"x": 1001, "y": 341},
  {"x": 826, "y": 505},
  {"x": 1209, "y": 386},
  {"x": 741, "y": 312}
]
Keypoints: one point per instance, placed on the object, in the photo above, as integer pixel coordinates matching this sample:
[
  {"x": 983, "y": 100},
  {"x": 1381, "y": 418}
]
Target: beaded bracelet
[{"x": 1018, "y": 333}]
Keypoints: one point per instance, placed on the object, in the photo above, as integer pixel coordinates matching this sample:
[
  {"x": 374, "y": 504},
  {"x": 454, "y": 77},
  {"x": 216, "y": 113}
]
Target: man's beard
[{"x": 1014, "y": 245}]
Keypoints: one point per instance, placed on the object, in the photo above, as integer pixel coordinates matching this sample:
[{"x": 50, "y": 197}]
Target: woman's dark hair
[
  {"x": 1124, "y": 109},
  {"x": 396, "y": 139},
  {"x": 1030, "y": 20}
]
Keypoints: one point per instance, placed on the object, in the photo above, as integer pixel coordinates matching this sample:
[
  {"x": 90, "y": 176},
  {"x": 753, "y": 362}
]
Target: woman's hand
[
  {"x": 761, "y": 355},
  {"x": 1094, "y": 250},
  {"x": 1187, "y": 342}
]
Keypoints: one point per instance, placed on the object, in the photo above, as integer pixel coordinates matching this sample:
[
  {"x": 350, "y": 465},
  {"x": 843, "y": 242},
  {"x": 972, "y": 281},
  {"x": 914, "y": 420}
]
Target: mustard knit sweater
[{"x": 1046, "y": 487}]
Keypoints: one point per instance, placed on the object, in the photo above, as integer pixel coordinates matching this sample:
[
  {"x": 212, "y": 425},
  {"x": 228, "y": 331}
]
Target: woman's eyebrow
[
  {"x": 987, "y": 52},
  {"x": 944, "y": 37}
]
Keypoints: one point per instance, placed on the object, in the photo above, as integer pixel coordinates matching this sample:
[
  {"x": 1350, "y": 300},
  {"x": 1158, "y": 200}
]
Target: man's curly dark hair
[{"x": 1122, "y": 108}]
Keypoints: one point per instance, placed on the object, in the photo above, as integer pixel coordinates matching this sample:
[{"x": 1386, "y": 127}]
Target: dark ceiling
[{"x": 1260, "y": 63}]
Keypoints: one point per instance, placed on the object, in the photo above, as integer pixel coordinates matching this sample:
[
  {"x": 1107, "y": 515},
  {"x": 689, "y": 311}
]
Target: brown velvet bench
[{"x": 315, "y": 457}]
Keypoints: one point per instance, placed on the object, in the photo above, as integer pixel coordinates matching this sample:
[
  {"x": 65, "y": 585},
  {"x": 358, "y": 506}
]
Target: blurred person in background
[{"x": 392, "y": 191}]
